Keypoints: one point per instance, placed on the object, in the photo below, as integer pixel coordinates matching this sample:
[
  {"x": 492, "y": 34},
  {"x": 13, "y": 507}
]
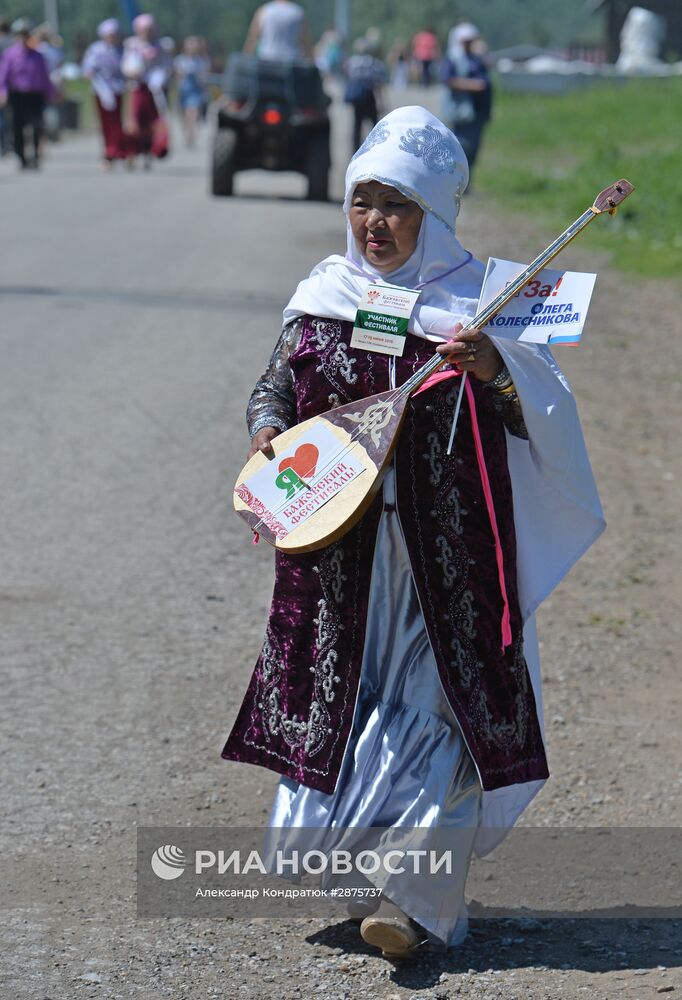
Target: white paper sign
[
  {"x": 291, "y": 487},
  {"x": 551, "y": 309},
  {"x": 382, "y": 317}
]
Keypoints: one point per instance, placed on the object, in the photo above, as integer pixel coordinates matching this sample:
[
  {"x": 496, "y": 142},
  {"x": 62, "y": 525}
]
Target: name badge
[{"x": 382, "y": 317}]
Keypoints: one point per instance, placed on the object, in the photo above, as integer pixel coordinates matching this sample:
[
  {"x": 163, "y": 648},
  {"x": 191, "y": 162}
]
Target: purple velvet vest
[{"x": 298, "y": 711}]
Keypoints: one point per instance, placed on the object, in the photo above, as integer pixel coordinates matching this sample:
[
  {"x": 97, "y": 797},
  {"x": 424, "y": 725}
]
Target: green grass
[{"x": 550, "y": 155}]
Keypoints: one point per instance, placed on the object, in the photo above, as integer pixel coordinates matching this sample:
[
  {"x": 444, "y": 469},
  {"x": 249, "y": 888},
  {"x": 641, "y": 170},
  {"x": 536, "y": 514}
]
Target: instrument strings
[{"x": 399, "y": 393}]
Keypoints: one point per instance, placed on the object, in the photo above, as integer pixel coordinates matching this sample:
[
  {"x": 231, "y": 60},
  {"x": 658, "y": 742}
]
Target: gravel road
[{"x": 136, "y": 314}]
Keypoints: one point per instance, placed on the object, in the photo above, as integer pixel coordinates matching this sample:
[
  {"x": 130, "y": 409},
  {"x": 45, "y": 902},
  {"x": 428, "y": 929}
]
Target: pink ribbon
[{"x": 434, "y": 379}]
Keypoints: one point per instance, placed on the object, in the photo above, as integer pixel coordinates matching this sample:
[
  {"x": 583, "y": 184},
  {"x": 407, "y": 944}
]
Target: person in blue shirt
[
  {"x": 365, "y": 77},
  {"x": 468, "y": 99},
  {"x": 191, "y": 70}
]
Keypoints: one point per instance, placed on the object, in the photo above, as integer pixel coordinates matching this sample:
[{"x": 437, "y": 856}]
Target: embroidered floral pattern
[
  {"x": 341, "y": 363},
  {"x": 463, "y": 662},
  {"x": 467, "y": 614},
  {"x": 325, "y": 631},
  {"x": 433, "y": 459},
  {"x": 454, "y": 509},
  {"x": 337, "y": 576},
  {"x": 312, "y": 733},
  {"x": 431, "y": 146},
  {"x": 328, "y": 674},
  {"x": 308, "y": 733},
  {"x": 329, "y": 625},
  {"x": 335, "y": 364},
  {"x": 323, "y": 334},
  {"x": 505, "y": 731},
  {"x": 378, "y": 135},
  {"x": 494, "y": 727},
  {"x": 446, "y": 561}
]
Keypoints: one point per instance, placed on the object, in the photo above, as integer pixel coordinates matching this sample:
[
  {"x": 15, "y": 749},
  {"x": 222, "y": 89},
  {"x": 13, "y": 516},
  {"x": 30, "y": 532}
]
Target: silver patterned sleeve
[{"x": 273, "y": 401}]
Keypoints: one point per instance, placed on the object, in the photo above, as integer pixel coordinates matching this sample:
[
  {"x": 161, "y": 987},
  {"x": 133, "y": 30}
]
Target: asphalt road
[{"x": 136, "y": 312}]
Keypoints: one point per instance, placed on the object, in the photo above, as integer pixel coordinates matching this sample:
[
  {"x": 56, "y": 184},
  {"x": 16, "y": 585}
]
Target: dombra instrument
[{"x": 322, "y": 474}]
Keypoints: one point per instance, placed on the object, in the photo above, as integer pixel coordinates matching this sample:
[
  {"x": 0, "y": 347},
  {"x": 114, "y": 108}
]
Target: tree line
[{"x": 224, "y": 22}]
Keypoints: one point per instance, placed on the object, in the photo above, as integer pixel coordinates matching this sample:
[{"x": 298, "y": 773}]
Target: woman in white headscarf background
[
  {"x": 147, "y": 67},
  {"x": 102, "y": 66},
  {"x": 467, "y": 107},
  {"x": 398, "y": 686}
]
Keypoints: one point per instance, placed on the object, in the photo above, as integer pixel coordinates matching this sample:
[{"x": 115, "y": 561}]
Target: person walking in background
[
  {"x": 5, "y": 42},
  {"x": 399, "y": 61},
  {"x": 279, "y": 30},
  {"x": 5, "y": 35},
  {"x": 329, "y": 54},
  {"x": 145, "y": 64},
  {"x": 102, "y": 67},
  {"x": 25, "y": 84},
  {"x": 169, "y": 51},
  {"x": 365, "y": 76},
  {"x": 51, "y": 48},
  {"x": 426, "y": 51},
  {"x": 468, "y": 100},
  {"x": 205, "y": 53},
  {"x": 191, "y": 70}
]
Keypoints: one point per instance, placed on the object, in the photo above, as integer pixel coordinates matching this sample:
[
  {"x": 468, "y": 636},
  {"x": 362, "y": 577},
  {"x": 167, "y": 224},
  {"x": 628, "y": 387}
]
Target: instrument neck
[{"x": 499, "y": 302}]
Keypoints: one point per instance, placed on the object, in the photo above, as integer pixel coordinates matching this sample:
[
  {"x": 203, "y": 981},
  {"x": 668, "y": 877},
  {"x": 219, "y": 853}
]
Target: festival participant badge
[
  {"x": 290, "y": 488},
  {"x": 382, "y": 317}
]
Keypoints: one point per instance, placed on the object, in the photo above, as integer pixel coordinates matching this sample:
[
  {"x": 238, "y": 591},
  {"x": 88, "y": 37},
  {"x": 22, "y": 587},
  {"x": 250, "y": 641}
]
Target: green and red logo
[{"x": 296, "y": 469}]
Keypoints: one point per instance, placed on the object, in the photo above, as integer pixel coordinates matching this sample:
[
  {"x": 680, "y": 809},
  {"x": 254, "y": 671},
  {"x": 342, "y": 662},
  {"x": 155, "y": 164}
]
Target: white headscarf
[
  {"x": 459, "y": 35},
  {"x": 412, "y": 151},
  {"x": 108, "y": 27}
]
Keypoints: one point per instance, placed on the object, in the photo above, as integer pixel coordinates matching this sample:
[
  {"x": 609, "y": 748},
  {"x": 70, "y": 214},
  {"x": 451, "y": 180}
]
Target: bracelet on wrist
[
  {"x": 507, "y": 389},
  {"x": 501, "y": 380}
]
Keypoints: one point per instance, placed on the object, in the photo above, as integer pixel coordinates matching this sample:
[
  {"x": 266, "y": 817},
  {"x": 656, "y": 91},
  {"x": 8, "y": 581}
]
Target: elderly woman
[
  {"x": 102, "y": 66},
  {"x": 146, "y": 65},
  {"x": 398, "y": 686}
]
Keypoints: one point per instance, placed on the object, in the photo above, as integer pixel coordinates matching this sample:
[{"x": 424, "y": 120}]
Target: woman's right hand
[{"x": 261, "y": 440}]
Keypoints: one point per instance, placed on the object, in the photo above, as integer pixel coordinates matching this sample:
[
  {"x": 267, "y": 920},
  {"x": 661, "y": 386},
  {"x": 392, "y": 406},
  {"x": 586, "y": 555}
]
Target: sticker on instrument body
[
  {"x": 382, "y": 318},
  {"x": 550, "y": 309},
  {"x": 292, "y": 487}
]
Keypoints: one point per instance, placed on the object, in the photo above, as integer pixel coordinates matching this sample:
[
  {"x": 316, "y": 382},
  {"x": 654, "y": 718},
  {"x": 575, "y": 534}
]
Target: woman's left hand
[{"x": 472, "y": 352}]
